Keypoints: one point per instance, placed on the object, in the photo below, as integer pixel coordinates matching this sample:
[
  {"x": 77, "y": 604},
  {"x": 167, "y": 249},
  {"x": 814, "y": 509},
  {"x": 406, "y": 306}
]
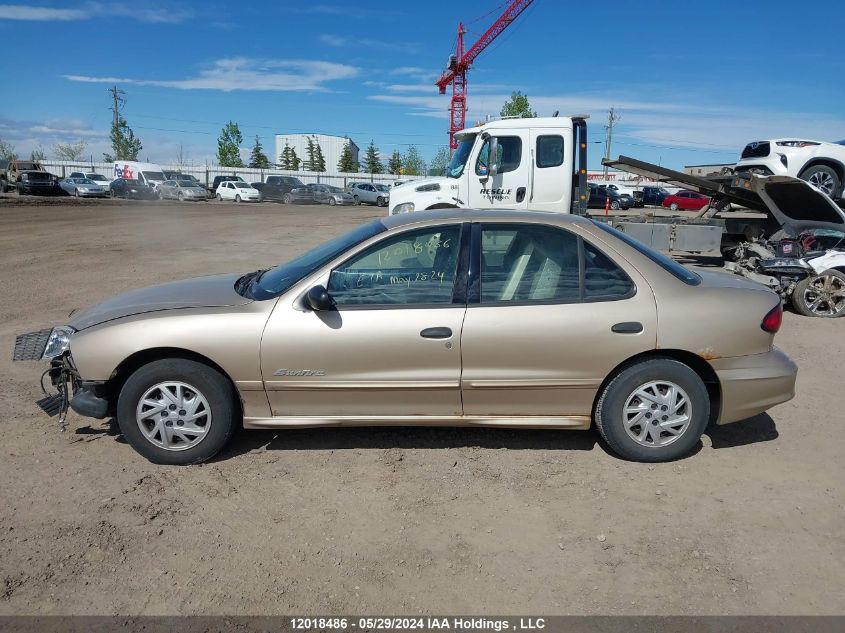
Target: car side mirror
[{"x": 319, "y": 299}]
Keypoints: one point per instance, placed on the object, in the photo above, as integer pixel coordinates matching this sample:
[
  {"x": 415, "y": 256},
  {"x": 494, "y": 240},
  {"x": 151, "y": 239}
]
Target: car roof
[{"x": 483, "y": 215}]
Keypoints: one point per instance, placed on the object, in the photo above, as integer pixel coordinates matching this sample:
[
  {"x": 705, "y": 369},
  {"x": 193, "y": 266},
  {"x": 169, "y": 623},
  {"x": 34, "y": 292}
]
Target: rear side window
[
  {"x": 602, "y": 278},
  {"x": 549, "y": 151},
  {"x": 667, "y": 263}
]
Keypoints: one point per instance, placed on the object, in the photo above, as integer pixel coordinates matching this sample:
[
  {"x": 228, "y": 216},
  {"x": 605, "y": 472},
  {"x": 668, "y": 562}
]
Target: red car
[{"x": 686, "y": 201}]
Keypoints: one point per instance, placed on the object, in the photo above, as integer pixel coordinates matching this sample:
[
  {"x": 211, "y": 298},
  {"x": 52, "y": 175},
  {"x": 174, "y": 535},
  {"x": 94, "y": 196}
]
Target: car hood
[
  {"x": 200, "y": 292},
  {"x": 795, "y": 203}
]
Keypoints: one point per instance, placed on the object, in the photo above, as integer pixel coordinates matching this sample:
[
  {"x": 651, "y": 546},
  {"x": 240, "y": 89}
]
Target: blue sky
[{"x": 693, "y": 81}]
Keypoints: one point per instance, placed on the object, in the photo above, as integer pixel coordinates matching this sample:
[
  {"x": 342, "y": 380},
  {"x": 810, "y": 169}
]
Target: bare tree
[
  {"x": 70, "y": 151},
  {"x": 181, "y": 157},
  {"x": 7, "y": 151}
]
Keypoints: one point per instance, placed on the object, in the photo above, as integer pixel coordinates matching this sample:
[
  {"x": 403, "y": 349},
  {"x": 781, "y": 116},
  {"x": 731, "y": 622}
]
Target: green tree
[
  {"x": 229, "y": 146},
  {"x": 71, "y": 151},
  {"x": 372, "y": 161},
  {"x": 310, "y": 154},
  {"x": 347, "y": 161},
  {"x": 518, "y": 106},
  {"x": 288, "y": 159},
  {"x": 258, "y": 159},
  {"x": 394, "y": 163},
  {"x": 7, "y": 151},
  {"x": 319, "y": 159},
  {"x": 38, "y": 154},
  {"x": 125, "y": 145},
  {"x": 412, "y": 162},
  {"x": 439, "y": 162}
]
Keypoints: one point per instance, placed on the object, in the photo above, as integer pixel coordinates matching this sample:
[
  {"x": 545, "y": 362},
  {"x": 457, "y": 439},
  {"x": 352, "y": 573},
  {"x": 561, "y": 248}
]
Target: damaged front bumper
[{"x": 68, "y": 389}]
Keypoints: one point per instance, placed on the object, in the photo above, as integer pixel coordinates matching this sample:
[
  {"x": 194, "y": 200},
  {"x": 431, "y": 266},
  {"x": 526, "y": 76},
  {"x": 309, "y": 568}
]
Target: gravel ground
[{"x": 379, "y": 520}]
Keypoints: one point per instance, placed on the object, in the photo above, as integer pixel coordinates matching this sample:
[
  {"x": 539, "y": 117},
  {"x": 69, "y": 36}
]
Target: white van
[{"x": 148, "y": 173}]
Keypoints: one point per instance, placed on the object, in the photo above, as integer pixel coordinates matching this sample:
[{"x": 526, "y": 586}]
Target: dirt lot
[{"x": 387, "y": 520}]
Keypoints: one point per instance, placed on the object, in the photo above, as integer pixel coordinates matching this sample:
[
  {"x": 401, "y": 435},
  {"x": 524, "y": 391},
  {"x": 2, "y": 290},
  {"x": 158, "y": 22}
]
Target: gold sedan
[{"x": 454, "y": 317}]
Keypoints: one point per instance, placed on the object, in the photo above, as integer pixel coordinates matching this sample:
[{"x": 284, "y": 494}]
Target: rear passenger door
[{"x": 538, "y": 336}]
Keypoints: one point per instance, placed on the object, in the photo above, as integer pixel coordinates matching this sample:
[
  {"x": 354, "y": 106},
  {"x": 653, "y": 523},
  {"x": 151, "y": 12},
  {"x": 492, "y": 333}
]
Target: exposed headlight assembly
[
  {"x": 405, "y": 207},
  {"x": 58, "y": 343}
]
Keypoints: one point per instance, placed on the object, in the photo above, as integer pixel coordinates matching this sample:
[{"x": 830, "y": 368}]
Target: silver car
[
  {"x": 83, "y": 188},
  {"x": 370, "y": 193},
  {"x": 181, "y": 190},
  {"x": 330, "y": 195}
]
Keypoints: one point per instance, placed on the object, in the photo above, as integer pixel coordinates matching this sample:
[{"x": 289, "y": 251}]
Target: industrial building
[{"x": 332, "y": 147}]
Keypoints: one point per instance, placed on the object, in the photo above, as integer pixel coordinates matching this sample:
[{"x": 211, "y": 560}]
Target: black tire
[
  {"x": 609, "y": 413},
  {"x": 219, "y": 198},
  {"x": 673, "y": 206},
  {"x": 828, "y": 308},
  {"x": 287, "y": 199},
  {"x": 614, "y": 205},
  {"x": 380, "y": 201},
  {"x": 821, "y": 175},
  {"x": 217, "y": 390},
  {"x": 332, "y": 202},
  {"x": 357, "y": 200},
  {"x": 180, "y": 196},
  {"x": 237, "y": 197}
]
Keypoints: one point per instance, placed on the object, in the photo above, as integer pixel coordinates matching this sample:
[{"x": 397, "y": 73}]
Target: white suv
[{"x": 819, "y": 163}]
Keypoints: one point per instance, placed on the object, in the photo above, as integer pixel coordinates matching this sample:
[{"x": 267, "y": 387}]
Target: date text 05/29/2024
[{"x": 455, "y": 623}]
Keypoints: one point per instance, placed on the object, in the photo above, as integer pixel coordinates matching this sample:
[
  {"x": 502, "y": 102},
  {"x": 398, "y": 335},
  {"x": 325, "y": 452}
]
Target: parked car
[
  {"x": 686, "y": 201},
  {"x": 330, "y": 195},
  {"x": 654, "y": 196},
  {"x": 97, "y": 178},
  {"x": 239, "y": 191},
  {"x": 37, "y": 183},
  {"x": 820, "y": 163},
  {"x": 218, "y": 179},
  {"x": 11, "y": 171},
  {"x": 635, "y": 198},
  {"x": 566, "y": 324},
  {"x": 131, "y": 188},
  {"x": 83, "y": 188},
  {"x": 287, "y": 189},
  {"x": 599, "y": 199},
  {"x": 182, "y": 190},
  {"x": 369, "y": 193}
]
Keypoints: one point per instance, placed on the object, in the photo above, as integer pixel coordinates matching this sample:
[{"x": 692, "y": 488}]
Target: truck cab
[{"x": 536, "y": 164}]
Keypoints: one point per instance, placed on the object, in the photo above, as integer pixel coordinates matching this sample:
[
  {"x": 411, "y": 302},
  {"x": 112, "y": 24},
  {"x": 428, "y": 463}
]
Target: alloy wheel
[
  {"x": 173, "y": 415},
  {"x": 825, "y": 295},
  {"x": 657, "y": 413},
  {"x": 823, "y": 181}
]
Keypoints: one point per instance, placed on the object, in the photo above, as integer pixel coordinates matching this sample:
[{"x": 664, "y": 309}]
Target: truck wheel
[
  {"x": 653, "y": 411},
  {"x": 823, "y": 177},
  {"x": 176, "y": 411},
  {"x": 287, "y": 199},
  {"x": 614, "y": 205},
  {"x": 821, "y": 296}
]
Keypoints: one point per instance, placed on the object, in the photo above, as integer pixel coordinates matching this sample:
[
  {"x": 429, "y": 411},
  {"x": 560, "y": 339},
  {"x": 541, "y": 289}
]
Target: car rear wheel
[
  {"x": 177, "y": 411},
  {"x": 821, "y": 296},
  {"x": 823, "y": 177},
  {"x": 614, "y": 205},
  {"x": 674, "y": 206},
  {"x": 653, "y": 411}
]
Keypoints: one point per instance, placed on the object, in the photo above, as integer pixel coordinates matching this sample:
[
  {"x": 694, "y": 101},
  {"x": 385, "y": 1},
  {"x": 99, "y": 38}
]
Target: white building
[{"x": 332, "y": 147}]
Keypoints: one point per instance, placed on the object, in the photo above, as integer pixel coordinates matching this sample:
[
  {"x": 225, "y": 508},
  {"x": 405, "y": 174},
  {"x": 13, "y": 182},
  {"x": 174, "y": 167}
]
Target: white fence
[{"x": 63, "y": 168}]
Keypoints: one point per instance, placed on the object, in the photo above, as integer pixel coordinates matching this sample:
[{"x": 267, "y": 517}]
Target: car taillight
[{"x": 771, "y": 322}]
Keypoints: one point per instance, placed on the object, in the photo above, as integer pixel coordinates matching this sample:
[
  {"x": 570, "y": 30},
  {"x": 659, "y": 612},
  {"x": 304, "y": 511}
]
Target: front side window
[
  {"x": 412, "y": 268},
  {"x": 549, "y": 151},
  {"x": 509, "y": 155},
  {"x": 528, "y": 263}
]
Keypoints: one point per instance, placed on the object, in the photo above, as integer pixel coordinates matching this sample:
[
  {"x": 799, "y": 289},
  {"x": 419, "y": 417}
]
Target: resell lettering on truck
[{"x": 537, "y": 164}]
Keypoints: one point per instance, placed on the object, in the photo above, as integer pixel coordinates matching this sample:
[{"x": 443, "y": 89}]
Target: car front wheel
[
  {"x": 654, "y": 410},
  {"x": 357, "y": 200},
  {"x": 219, "y": 198},
  {"x": 177, "y": 411},
  {"x": 824, "y": 178},
  {"x": 821, "y": 296},
  {"x": 237, "y": 198},
  {"x": 674, "y": 206}
]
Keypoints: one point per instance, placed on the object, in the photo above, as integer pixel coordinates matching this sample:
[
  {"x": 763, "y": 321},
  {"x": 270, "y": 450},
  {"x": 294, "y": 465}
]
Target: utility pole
[
  {"x": 612, "y": 117},
  {"x": 117, "y": 101}
]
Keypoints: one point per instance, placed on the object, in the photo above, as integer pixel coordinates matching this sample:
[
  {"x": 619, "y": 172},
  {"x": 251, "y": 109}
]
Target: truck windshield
[
  {"x": 277, "y": 280},
  {"x": 459, "y": 158},
  {"x": 153, "y": 175}
]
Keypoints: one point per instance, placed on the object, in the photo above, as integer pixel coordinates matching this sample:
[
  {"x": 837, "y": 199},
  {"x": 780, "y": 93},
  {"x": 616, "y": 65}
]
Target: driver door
[
  {"x": 508, "y": 189},
  {"x": 392, "y": 346}
]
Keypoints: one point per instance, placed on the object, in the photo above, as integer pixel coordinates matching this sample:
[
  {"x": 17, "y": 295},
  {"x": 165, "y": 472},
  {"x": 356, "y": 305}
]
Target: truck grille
[{"x": 756, "y": 150}]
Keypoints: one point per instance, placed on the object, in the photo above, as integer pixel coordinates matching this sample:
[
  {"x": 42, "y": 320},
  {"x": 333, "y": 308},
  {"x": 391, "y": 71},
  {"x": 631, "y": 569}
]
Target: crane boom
[{"x": 456, "y": 72}]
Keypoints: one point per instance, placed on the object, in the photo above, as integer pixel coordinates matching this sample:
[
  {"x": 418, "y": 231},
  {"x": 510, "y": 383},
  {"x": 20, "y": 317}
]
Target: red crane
[{"x": 459, "y": 63}]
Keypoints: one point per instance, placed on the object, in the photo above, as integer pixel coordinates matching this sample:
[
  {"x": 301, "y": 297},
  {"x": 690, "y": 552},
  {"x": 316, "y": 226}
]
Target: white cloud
[
  {"x": 339, "y": 41},
  {"x": 243, "y": 73},
  {"x": 142, "y": 11}
]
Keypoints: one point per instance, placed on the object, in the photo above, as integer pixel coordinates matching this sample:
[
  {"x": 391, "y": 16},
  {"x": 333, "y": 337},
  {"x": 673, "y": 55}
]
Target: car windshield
[
  {"x": 84, "y": 181},
  {"x": 185, "y": 183},
  {"x": 134, "y": 183},
  {"x": 667, "y": 263},
  {"x": 335, "y": 189},
  {"x": 97, "y": 177},
  {"x": 459, "y": 158},
  {"x": 277, "y": 280},
  {"x": 382, "y": 188}
]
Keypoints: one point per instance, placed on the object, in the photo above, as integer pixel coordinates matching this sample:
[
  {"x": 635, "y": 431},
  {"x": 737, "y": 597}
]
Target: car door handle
[
  {"x": 436, "y": 332},
  {"x": 627, "y": 327},
  {"x": 520, "y": 194}
]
